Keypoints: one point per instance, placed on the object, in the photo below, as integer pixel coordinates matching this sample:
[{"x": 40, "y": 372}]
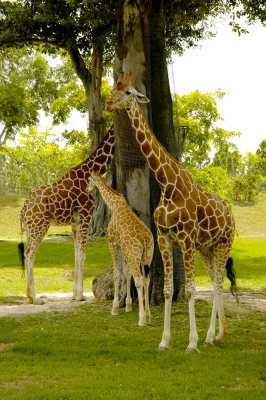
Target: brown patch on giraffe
[
  {"x": 153, "y": 162},
  {"x": 204, "y": 224},
  {"x": 136, "y": 123},
  {"x": 160, "y": 174},
  {"x": 168, "y": 192},
  {"x": 190, "y": 205},
  {"x": 171, "y": 175}
]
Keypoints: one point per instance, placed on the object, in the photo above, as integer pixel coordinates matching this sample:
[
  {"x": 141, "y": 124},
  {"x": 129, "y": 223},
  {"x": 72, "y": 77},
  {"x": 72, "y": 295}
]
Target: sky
[{"x": 237, "y": 65}]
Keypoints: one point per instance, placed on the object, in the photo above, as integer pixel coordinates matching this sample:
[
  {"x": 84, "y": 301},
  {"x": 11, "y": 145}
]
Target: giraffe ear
[{"x": 140, "y": 97}]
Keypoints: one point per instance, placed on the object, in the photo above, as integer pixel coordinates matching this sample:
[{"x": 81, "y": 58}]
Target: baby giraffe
[{"x": 128, "y": 233}]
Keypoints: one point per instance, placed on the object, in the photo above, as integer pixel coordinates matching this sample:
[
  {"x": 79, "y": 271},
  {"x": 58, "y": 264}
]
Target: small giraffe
[
  {"x": 187, "y": 213},
  {"x": 128, "y": 233},
  {"x": 64, "y": 202}
]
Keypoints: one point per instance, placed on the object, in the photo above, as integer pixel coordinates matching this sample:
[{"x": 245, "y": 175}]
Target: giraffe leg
[
  {"x": 215, "y": 263},
  {"x": 166, "y": 249},
  {"x": 128, "y": 298},
  {"x": 138, "y": 278},
  {"x": 78, "y": 272},
  {"x": 221, "y": 253},
  {"x": 188, "y": 249},
  {"x": 30, "y": 253},
  {"x": 116, "y": 274},
  {"x": 146, "y": 282},
  {"x": 80, "y": 255},
  {"x": 208, "y": 259},
  {"x": 193, "y": 334}
]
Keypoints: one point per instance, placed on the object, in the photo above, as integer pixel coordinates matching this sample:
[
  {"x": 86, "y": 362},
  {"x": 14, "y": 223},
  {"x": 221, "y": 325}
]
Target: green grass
[
  {"x": 88, "y": 354},
  {"x": 55, "y": 264},
  {"x": 250, "y": 220},
  {"x": 249, "y": 262},
  {"x": 53, "y": 268}
]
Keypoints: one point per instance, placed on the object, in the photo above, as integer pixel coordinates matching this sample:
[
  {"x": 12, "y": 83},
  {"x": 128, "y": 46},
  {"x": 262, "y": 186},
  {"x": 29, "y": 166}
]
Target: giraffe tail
[
  {"x": 21, "y": 249},
  {"x": 146, "y": 270},
  {"x": 21, "y": 254},
  {"x": 230, "y": 272}
]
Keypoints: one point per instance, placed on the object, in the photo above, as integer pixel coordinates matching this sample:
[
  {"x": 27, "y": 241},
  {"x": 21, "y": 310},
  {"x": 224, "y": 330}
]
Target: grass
[
  {"x": 87, "y": 353},
  {"x": 53, "y": 269}
]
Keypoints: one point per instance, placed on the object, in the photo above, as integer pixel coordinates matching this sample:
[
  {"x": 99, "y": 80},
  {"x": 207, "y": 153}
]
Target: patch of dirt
[
  {"x": 246, "y": 300},
  {"x": 54, "y": 301},
  {"x": 57, "y": 301}
]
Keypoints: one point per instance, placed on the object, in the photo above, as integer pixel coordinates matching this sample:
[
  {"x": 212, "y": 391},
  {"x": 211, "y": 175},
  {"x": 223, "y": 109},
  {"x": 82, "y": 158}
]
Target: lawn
[
  {"x": 89, "y": 354},
  {"x": 86, "y": 353}
]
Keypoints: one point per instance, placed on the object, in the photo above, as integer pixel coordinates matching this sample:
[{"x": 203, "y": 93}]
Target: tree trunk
[
  {"x": 163, "y": 127},
  {"x": 92, "y": 81},
  {"x": 141, "y": 50}
]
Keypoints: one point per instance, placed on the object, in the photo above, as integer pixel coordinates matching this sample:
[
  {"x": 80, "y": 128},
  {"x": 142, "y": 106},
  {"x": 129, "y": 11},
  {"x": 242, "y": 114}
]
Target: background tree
[
  {"x": 147, "y": 33},
  {"x": 84, "y": 29},
  {"x": 38, "y": 159},
  {"x": 198, "y": 111}
]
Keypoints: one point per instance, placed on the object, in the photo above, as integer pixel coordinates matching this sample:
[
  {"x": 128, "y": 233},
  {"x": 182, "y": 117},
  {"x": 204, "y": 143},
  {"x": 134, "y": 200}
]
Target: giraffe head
[
  {"x": 95, "y": 176},
  {"x": 124, "y": 95}
]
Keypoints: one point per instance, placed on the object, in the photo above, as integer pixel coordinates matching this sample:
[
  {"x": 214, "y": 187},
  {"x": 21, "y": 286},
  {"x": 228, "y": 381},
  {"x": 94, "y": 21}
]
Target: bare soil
[{"x": 57, "y": 301}]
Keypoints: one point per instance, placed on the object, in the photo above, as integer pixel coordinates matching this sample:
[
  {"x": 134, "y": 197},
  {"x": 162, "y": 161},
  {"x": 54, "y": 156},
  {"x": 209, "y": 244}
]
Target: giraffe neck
[
  {"x": 158, "y": 158},
  {"x": 109, "y": 195},
  {"x": 101, "y": 157}
]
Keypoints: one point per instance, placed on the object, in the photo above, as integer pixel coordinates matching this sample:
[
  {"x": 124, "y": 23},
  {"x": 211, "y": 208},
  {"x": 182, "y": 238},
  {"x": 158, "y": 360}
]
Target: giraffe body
[
  {"x": 128, "y": 233},
  {"x": 64, "y": 202},
  {"x": 187, "y": 214}
]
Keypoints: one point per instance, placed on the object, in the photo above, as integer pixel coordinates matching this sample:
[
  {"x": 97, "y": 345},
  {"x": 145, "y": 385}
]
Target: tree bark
[
  {"x": 163, "y": 127},
  {"x": 141, "y": 50}
]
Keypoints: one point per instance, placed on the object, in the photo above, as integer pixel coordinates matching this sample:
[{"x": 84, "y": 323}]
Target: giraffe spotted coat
[
  {"x": 187, "y": 214},
  {"x": 64, "y": 202},
  {"x": 126, "y": 232}
]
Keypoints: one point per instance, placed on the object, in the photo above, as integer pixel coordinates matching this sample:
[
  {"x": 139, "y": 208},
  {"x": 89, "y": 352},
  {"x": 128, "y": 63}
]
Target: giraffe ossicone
[
  {"x": 126, "y": 232},
  {"x": 64, "y": 202},
  {"x": 187, "y": 214}
]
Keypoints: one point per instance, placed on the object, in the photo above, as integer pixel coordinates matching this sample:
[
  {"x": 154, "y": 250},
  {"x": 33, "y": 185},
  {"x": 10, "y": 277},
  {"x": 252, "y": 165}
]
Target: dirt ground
[{"x": 63, "y": 302}]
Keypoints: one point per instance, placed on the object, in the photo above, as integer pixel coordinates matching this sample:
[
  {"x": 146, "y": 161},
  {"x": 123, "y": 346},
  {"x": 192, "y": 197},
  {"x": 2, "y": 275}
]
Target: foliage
[
  {"x": 37, "y": 160},
  {"x": 27, "y": 85},
  {"x": 229, "y": 158},
  {"x": 199, "y": 112},
  {"x": 30, "y": 82},
  {"x": 214, "y": 179}
]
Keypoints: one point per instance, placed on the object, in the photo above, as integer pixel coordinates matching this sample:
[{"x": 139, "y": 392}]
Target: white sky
[{"x": 237, "y": 65}]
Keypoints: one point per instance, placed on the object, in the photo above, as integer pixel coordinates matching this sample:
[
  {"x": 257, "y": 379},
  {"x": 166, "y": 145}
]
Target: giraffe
[
  {"x": 187, "y": 214},
  {"x": 128, "y": 233},
  {"x": 64, "y": 202}
]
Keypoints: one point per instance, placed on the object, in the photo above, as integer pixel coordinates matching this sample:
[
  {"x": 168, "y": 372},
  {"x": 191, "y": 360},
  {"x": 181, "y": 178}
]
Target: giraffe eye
[{"x": 128, "y": 93}]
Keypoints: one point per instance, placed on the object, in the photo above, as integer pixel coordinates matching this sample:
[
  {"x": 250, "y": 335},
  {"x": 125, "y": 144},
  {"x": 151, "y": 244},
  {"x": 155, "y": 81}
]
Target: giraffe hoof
[
  {"x": 163, "y": 346},
  {"x": 81, "y": 299},
  {"x": 208, "y": 344},
  {"x": 129, "y": 308},
  {"x": 191, "y": 350},
  {"x": 114, "y": 312}
]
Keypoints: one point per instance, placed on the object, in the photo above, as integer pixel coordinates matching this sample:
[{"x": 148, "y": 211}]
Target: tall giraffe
[
  {"x": 64, "y": 202},
  {"x": 128, "y": 233},
  {"x": 187, "y": 213}
]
